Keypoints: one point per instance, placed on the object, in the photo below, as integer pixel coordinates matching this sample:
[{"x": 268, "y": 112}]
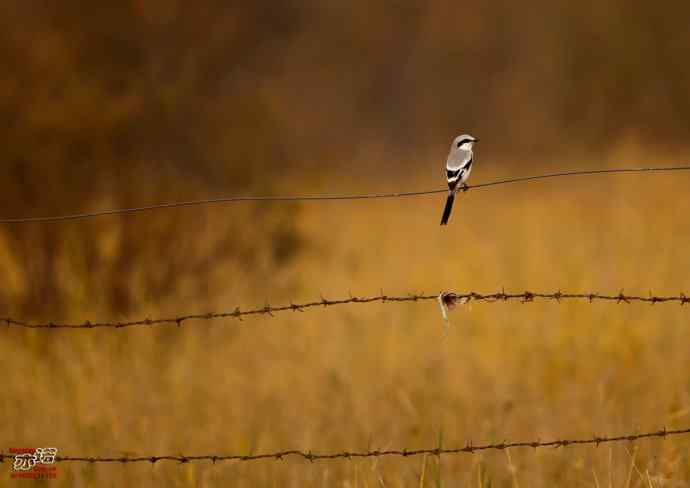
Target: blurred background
[{"x": 130, "y": 103}]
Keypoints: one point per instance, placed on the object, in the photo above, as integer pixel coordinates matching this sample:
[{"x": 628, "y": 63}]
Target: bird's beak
[{"x": 476, "y": 140}]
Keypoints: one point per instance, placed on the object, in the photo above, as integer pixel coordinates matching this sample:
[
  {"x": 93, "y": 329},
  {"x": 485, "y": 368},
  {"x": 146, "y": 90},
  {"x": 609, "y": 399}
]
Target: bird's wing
[
  {"x": 458, "y": 159},
  {"x": 453, "y": 174}
]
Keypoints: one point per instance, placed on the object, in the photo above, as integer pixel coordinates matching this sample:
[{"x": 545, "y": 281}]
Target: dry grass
[{"x": 382, "y": 376}]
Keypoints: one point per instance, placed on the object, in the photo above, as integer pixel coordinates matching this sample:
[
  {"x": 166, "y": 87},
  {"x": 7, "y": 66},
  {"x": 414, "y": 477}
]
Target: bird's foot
[{"x": 464, "y": 187}]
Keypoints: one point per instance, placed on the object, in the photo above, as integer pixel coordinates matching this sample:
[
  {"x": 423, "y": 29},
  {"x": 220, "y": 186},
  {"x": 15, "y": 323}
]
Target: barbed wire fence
[
  {"x": 469, "y": 448},
  {"x": 312, "y": 198},
  {"x": 448, "y": 299}
]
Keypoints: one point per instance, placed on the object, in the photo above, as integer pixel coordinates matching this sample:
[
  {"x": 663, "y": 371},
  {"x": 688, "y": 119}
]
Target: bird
[{"x": 458, "y": 167}]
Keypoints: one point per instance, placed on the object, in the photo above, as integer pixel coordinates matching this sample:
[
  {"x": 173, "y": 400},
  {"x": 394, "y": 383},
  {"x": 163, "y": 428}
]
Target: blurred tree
[{"x": 112, "y": 104}]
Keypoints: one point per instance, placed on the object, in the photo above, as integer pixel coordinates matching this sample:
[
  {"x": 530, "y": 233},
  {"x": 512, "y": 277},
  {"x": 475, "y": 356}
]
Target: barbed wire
[
  {"x": 305, "y": 198},
  {"x": 448, "y": 298},
  {"x": 315, "y": 456}
]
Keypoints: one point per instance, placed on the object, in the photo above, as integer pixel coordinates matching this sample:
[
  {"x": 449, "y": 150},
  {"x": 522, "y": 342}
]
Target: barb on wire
[
  {"x": 447, "y": 300},
  {"x": 312, "y": 456},
  {"x": 307, "y": 198}
]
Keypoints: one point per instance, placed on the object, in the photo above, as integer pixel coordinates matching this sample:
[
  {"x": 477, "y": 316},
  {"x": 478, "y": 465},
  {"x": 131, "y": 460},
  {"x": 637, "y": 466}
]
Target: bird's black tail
[{"x": 449, "y": 207}]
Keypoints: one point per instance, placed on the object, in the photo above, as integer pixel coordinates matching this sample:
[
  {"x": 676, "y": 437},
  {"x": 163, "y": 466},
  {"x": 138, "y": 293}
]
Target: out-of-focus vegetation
[
  {"x": 114, "y": 104},
  {"x": 129, "y": 103}
]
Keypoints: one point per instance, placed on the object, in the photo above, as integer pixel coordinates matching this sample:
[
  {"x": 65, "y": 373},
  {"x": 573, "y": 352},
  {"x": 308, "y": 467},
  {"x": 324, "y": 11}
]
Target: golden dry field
[{"x": 376, "y": 376}]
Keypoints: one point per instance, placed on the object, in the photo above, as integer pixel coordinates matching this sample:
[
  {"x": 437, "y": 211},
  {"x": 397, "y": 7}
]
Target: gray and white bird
[{"x": 458, "y": 167}]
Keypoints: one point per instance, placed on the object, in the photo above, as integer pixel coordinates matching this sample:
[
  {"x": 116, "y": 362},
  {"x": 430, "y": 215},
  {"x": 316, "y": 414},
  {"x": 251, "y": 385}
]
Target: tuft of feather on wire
[{"x": 448, "y": 301}]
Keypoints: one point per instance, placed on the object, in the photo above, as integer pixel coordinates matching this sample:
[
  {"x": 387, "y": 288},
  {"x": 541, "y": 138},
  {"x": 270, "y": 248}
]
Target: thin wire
[
  {"x": 212, "y": 201},
  {"x": 449, "y": 298},
  {"x": 311, "y": 456}
]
